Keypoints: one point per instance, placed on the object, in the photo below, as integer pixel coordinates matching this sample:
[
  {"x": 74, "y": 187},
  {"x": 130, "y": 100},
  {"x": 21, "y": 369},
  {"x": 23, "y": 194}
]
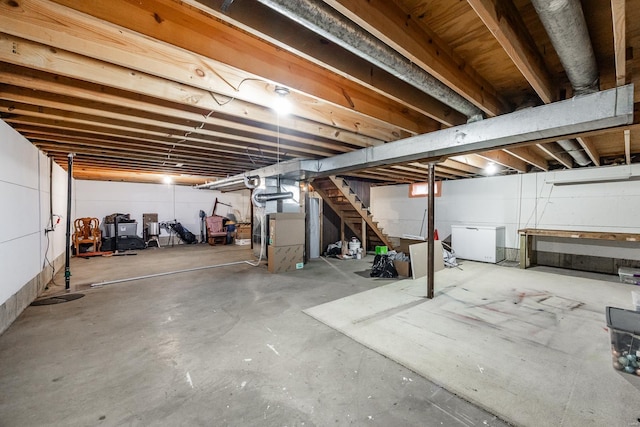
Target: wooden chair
[
  {"x": 215, "y": 230},
  {"x": 87, "y": 230}
]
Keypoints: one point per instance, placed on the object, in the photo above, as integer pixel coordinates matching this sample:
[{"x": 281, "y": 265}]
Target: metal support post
[{"x": 430, "y": 231}]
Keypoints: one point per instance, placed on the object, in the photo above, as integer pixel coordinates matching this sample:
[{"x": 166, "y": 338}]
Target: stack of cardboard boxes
[{"x": 286, "y": 242}]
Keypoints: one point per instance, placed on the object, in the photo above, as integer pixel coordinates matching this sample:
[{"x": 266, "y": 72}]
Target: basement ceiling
[{"x": 147, "y": 88}]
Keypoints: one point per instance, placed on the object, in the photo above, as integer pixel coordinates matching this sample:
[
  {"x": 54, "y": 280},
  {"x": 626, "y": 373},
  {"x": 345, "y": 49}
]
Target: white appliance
[{"x": 478, "y": 243}]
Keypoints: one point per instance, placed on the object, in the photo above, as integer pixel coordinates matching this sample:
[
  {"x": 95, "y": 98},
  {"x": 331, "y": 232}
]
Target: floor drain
[{"x": 57, "y": 299}]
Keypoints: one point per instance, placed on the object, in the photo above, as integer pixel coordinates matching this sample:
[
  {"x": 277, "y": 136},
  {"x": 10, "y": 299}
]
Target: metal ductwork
[
  {"x": 333, "y": 26},
  {"x": 575, "y": 150},
  {"x": 567, "y": 29}
]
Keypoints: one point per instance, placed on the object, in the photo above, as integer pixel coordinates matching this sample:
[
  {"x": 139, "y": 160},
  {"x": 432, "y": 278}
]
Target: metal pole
[
  {"x": 67, "y": 270},
  {"x": 430, "y": 230}
]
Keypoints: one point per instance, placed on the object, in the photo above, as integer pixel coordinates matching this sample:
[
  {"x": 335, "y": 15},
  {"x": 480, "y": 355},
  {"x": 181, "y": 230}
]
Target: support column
[
  {"x": 67, "y": 255},
  {"x": 430, "y": 231},
  {"x": 364, "y": 237}
]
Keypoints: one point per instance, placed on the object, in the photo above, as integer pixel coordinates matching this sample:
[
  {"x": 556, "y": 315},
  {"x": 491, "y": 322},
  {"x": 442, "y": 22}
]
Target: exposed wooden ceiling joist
[{"x": 136, "y": 82}]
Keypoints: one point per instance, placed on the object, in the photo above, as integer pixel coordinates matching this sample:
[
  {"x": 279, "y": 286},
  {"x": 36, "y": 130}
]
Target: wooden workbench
[{"x": 527, "y": 254}]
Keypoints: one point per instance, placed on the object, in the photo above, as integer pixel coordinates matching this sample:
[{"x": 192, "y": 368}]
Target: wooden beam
[
  {"x": 590, "y": 148},
  {"x": 627, "y": 146},
  {"x": 477, "y": 162},
  {"x": 265, "y": 23},
  {"x": 105, "y": 174},
  {"x": 89, "y": 92},
  {"x": 528, "y": 155},
  {"x": 29, "y": 54},
  {"x": 148, "y": 121},
  {"x": 215, "y": 44},
  {"x": 505, "y": 23},
  {"x": 505, "y": 159},
  {"x": 389, "y": 23},
  {"x": 618, "y": 14},
  {"x": 555, "y": 151}
]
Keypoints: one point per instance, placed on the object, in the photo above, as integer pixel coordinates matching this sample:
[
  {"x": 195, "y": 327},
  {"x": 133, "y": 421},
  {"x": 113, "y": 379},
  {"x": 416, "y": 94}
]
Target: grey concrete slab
[
  {"x": 225, "y": 347},
  {"x": 529, "y": 346}
]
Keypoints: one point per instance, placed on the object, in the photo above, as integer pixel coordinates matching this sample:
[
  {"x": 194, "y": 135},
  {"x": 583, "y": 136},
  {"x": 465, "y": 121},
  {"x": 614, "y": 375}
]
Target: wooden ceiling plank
[
  {"x": 444, "y": 169},
  {"x": 102, "y": 174},
  {"x": 41, "y": 57},
  {"x": 206, "y": 68},
  {"x": 627, "y": 146},
  {"x": 389, "y": 23},
  {"x": 555, "y": 151},
  {"x": 176, "y": 156},
  {"x": 36, "y": 125},
  {"x": 505, "y": 23},
  {"x": 477, "y": 162},
  {"x": 106, "y": 142},
  {"x": 528, "y": 155},
  {"x": 61, "y": 85},
  {"x": 618, "y": 14},
  {"x": 79, "y": 119},
  {"x": 590, "y": 148},
  {"x": 157, "y": 123},
  {"x": 505, "y": 159}
]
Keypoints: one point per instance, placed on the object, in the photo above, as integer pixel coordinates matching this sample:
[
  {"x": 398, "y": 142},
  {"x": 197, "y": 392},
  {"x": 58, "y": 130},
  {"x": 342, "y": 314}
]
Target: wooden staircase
[{"x": 353, "y": 213}]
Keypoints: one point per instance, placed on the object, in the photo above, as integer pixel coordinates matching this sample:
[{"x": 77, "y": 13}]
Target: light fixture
[
  {"x": 167, "y": 179},
  {"x": 491, "y": 168},
  {"x": 281, "y": 90},
  {"x": 281, "y": 104},
  {"x": 179, "y": 165}
]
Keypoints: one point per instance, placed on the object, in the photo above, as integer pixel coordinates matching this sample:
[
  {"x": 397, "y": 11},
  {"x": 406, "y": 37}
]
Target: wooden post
[{"x": 364, "y": 237}]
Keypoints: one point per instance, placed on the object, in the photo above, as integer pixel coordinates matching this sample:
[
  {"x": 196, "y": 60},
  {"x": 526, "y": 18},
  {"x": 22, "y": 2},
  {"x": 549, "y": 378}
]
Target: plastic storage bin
[
  {"x": 624, "y": 327},
  {"x": 381, "y": 250}
]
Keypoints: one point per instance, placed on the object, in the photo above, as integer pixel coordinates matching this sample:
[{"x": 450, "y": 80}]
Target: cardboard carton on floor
[
  {"x": 285, "y": 258},
  {"x": 286, "y": 229},
  {"x": 403, "y": 268}
]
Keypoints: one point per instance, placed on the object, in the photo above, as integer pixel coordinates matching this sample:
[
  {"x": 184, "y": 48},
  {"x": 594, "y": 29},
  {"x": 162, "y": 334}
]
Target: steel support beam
[
  {"x": 600, "y": 110},
  {"x": 595, "y": 111}
]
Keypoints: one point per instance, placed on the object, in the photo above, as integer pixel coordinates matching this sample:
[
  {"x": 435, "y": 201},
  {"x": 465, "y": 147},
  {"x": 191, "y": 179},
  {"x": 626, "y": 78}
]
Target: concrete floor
[
  {"x": 529, "y": 346},
  {"x": 224, "y": 346}
]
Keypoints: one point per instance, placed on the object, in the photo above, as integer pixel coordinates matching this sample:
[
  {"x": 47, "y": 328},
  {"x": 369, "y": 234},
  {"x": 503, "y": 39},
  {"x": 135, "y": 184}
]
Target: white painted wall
[
  {"x": 24, "y": 211},
  {"x": 183, "y": 203},
  {"x": 525, "y": 201}
]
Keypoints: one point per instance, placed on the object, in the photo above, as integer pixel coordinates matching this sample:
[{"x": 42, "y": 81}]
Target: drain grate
[{"x": 57, "y": 299}]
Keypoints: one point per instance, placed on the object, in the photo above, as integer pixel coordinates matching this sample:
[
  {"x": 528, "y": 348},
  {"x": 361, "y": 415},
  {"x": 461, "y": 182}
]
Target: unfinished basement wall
[
  {"x": 182, "y": 203},
  {"x": 28, "y": 255},
  {"x": 526, "y": 201}
]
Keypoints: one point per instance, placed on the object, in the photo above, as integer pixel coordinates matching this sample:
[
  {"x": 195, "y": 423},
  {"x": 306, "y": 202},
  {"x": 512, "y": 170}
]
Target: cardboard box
[
  {"x": 405, "y": 243},
  {"x": 286, "y": 229},
  {"x": 403, "y": 268},
  {"x": 285, "y": 258}
]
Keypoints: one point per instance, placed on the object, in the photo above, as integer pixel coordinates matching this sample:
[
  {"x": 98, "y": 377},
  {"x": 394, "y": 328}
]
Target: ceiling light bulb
[
  {"x": 491, "y": 168},
  {"x": 167, "y": 179},
  {"x": 282, "y": 105}
]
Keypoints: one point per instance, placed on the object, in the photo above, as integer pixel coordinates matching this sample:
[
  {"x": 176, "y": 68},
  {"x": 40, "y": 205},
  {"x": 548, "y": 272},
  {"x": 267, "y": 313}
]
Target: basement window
[{"x": 421, "y": 189}]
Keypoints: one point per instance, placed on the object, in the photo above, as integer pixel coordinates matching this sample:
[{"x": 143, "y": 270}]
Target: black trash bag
[{"x": 383, "y": 267}]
